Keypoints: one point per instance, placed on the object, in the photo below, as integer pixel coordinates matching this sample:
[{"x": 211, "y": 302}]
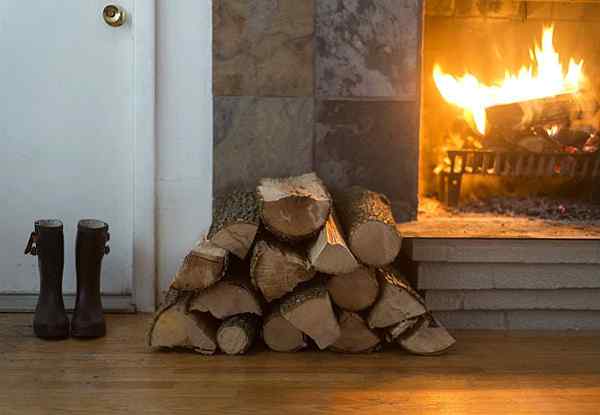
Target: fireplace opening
[{"x": 510, "y": 111}]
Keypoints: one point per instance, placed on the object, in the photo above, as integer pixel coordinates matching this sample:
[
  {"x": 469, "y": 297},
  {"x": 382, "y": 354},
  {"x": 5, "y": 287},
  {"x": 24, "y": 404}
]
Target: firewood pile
[{"x": 288, "y": 265}]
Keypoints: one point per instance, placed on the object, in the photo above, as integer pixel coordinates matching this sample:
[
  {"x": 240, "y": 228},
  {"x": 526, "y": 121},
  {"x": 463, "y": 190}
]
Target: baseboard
[{"x": 24, "y": 303}]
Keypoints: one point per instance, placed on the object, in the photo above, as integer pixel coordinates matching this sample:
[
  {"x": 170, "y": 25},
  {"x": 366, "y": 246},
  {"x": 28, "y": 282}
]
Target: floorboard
[{"x": 487, "y": 373}]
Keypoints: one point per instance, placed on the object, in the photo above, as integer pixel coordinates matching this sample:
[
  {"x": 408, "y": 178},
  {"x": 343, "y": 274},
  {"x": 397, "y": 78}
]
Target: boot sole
[{"x": 51, "y": 333}]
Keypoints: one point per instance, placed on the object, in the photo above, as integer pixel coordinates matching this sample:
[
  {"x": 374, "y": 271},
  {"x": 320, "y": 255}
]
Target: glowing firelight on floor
[{"x": 545, "y": 77}]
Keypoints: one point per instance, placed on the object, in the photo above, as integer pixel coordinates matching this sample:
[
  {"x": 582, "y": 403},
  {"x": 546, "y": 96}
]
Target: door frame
[{"x": 144, "y": 196}]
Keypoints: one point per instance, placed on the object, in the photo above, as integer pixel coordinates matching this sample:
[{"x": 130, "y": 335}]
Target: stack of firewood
[{"x": 283, "y": 265}]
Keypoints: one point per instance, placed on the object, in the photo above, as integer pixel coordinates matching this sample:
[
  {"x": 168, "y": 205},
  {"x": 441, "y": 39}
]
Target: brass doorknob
[{"x": 114, "y": 15}]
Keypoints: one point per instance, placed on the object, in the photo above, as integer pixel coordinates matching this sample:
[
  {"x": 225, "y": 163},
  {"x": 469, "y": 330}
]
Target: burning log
[
  {"x": 427, "y": 337},
  {"x": 329, "y": 253},
  {"x": 279, "y": 334},
  {"x": 294, "y": 208},
  {"x": 237, "y": 334},
  {"x": 235, "y": 222},
  {"x": 355, "y": 291},
  {"x": 203, "y": 266},
  {"x": 277, "y": 268},
  {"x": 174, "y": 326},
  {"x": 370, "y": 226},
  {"x": 309, "y": 310},
  {"x": 397, "y": 301},
  {"x": 356, "y": 336},
  {"x": 508, "y": 120}
]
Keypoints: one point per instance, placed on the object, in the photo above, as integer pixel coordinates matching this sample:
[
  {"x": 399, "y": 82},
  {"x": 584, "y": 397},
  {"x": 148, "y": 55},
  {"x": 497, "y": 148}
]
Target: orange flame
[{"x": 546, "y": 80}]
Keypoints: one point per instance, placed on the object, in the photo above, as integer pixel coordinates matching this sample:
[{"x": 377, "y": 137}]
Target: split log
[
  {"x": 237, "y": 334},
  {"x": 202, "y": 267},
  {"x": 235, "y": 222},
  {"x": 294, "y": 208},
  {"x": 354, "y": 291},
  {"x": 397, "y": 300},
  {"x": 329, "y": 252},
  {"x": 175, "y": 327},
  {"x": 356, "y": 336},
  {"x": 508, "y": 119},
  {"x": 228, "y": 297},
  {"x": 309, "y": 309},
  {"x": 427, "y": 337},
  {"x": 280, "y": 335},
  {"x": 392, "y": 333},
  {"x": 277, "y": 268},
  {"x": 369, "y": 224}
]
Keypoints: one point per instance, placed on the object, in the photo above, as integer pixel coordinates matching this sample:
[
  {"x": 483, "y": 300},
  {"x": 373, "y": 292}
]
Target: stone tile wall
[{"x": 325, "y": 85}]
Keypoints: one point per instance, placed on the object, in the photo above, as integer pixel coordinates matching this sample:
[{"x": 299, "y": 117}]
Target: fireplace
[
  {"x": 346, "y": 88},
  {"x": 510, "y": 116}
]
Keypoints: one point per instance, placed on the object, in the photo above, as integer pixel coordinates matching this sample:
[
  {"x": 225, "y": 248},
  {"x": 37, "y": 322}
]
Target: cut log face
[
  {"x": 175, "y": 327},
  {"x": 228, "y": 297},
  {"x": 294, "y": 208},
  {"x": 276, "y": 268},
  {"x": 370, "y": 227},
  {"x": 428, "y": 337},
  {"x": 309, "y": 310},
  {"x": 202, "y": 267},
  {"x": 397, "y": 301},
  {"x": 279, "y": 334},
  {"x": 395, "y": 331},
  {"x": 329, "y": 253},
  {"x": 356, "y": 336},
  {"x": 237, "y": 334},
  {"x": 235, "y": 222},
  {"x": 355, "y": 291}
]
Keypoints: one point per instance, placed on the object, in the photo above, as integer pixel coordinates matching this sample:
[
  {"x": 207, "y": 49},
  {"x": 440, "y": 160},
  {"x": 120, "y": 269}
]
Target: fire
[{"x": 545, "y": 77}]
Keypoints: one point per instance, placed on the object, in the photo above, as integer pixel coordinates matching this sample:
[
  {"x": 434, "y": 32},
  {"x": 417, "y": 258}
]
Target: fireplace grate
[{"x": 512, "y": 164}]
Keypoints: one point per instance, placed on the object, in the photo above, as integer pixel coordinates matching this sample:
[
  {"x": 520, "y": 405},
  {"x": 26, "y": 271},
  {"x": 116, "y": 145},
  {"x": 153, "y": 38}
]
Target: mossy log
[{"x": 369, "y": 225}]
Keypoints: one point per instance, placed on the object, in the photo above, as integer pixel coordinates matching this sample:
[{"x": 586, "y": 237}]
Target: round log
[{"x": 355, "y": 291}]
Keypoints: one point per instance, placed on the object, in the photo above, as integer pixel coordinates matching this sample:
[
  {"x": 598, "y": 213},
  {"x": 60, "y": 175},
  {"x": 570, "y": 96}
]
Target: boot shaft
[
  {"x": 47, "y": 242},
  {"x": 90, "y": 248}
]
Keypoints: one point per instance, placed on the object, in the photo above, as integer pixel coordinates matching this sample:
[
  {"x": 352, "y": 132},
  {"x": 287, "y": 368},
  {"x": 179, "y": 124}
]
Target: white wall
[{"x": 184, "y": 129}]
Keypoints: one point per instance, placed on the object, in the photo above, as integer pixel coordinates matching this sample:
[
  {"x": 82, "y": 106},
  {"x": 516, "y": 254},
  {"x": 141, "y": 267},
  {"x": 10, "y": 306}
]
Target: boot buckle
[{"x": 31, "y": 247}]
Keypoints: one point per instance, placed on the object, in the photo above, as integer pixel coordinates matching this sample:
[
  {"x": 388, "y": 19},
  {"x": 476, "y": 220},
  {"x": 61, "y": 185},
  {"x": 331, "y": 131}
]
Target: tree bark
[
  {"x": 174, "y": 327},
  {"x": 397, "y": 300},
  {"x": 277, "y": 268},
  {"x": 369, "y": 224},
  {"x": 427, "y": 337},
  {"x": 329, "y": 252},
  {"x": 279, "y": 334},
  {"x": 235, "y": 222},
  {"x": 309, "y": 310},
  {"x": 237, "y": 334},
  {"x": 294, "y": 208},
  {"x": 356, "y": 336},
  {"x": 355, "y": 291},
  {"x": 232, "y": 295},
  {"x": 202, "y": 267}
]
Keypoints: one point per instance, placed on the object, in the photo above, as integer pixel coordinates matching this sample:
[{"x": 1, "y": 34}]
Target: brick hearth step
[{"x": 476, "y": 283}]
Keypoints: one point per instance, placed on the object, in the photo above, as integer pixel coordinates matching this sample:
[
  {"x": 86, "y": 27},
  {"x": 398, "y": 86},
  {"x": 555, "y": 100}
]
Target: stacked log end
[
  {"x": 294, "y": 208},
  {"x": 370, "y": 226},
  {"x": 202, "y": 267},
  {"x": 284, "y": 265},
  {"x": 277, "y": 268},
  {"x": 235, "y": 222}
]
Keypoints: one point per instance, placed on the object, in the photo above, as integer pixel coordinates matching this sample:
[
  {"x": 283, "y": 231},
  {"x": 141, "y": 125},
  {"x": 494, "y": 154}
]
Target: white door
[{"x": 66, "y": 129}]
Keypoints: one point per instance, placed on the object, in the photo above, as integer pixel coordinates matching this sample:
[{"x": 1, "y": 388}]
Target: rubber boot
[
  {"x": 90, "y": 248},
  {"x": 48, "y": 243}
]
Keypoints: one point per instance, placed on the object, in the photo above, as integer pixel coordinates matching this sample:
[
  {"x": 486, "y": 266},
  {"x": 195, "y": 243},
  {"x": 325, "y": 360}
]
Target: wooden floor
[{"x": 487, "y": 373}]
